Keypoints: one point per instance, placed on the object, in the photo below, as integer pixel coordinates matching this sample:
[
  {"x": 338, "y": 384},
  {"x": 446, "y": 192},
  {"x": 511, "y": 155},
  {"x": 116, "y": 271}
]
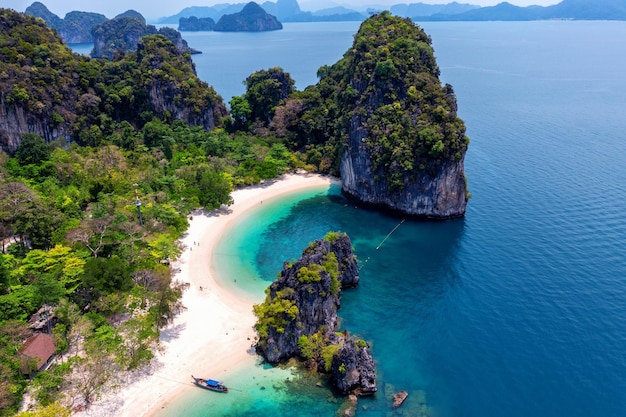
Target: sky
[{"x": 153, "y": 9}]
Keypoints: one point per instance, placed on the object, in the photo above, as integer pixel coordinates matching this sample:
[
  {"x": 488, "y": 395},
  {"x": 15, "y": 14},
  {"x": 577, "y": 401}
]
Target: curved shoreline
[{"x": 215, "y": 334}]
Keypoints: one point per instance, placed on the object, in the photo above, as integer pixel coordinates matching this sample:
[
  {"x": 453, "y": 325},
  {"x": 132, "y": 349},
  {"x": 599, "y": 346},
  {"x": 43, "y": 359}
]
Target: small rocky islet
[{"x": 298, "y": 318}]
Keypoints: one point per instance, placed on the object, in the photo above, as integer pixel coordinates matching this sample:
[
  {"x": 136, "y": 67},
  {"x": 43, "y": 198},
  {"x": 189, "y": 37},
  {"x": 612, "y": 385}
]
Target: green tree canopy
[
  {"x": 32, "y": 150},
  {"x": 265, "y": 90}
]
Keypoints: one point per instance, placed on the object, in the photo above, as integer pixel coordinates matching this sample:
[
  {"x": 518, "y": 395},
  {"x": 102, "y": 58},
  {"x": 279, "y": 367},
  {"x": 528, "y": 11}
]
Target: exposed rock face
[
  {"x": 436, "y": 193},
  {"x": 299, "y": 316},
  {"x": 317, "y": 303},
  {"x": 15, "y": 120},
  {"x": 165, "y": 96},
  {"x": 251, "y": 19},
  {"x": 353, "y": 369}
]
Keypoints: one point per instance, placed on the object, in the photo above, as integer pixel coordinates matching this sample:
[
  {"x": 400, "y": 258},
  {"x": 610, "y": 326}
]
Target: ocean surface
[{"x": 517, "y": 310}]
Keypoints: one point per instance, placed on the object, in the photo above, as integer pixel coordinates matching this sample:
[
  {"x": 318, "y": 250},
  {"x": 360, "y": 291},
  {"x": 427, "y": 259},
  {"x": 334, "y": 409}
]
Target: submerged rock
[
  {"x": 348, "y": 408},
  {"x": 399, "y": 398}
]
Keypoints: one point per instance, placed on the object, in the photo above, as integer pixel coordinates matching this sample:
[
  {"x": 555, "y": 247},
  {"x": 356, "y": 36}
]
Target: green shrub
[
  {"x": 275, "y": 313},
  {"x": 307, "y": 275},
  {"x": 328, "y": 353}
]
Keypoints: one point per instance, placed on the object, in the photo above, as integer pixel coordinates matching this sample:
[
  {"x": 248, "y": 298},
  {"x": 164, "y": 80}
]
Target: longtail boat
[{"x": 209, "y": 384}]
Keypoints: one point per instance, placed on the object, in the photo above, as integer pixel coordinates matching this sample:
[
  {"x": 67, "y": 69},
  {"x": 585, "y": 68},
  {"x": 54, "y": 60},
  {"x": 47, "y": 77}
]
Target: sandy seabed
[{"x": 214, "y": 336}]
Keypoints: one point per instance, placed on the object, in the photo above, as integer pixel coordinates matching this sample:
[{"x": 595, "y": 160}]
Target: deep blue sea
[{"x": 517, "y": 310}]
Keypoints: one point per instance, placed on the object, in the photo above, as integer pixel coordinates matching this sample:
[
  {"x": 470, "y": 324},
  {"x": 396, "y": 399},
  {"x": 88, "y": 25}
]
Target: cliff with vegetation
[
  {"x": 299, "y": 316},
  {"x": 404, "y": 146},
  {"x": 252, "y": 18},
  {"x": 381, "y": 119},
  {"x": 49, "y": 91}
]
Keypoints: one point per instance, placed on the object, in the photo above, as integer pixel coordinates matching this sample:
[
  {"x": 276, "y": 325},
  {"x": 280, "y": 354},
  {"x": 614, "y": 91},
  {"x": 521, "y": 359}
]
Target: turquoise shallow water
[
  {"x": 236, "y": 255},
  {"x": 519, "y": 309}
]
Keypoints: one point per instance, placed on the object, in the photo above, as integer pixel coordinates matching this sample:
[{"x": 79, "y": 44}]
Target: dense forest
[{"x": 84, "y": 140}]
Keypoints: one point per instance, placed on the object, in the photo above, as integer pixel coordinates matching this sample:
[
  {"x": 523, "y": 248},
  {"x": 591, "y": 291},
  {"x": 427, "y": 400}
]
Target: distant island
[
  {"x": 194, "y": 24},
  {"x": 290, "y": 11},
  {"x": 76, "y": 26},
  {"x": 283, "y": 10},
  {"x": 567, "y": 9},
  {"x": 251, "y": 19}
]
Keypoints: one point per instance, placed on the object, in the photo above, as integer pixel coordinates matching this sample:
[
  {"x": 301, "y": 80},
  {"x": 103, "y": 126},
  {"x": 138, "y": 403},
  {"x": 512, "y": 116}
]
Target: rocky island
[
  {"x": 298, "y": 318},
  {"x": 405, "y": 145},
  {"x": 252, "y": 18}
]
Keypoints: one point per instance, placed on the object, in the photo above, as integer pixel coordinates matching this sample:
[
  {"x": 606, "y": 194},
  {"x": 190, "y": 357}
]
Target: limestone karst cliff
[
  {"x": 404, "y": 145},
  {"x": 299, "y": 316},
  {"x": 437, "y": 192}
]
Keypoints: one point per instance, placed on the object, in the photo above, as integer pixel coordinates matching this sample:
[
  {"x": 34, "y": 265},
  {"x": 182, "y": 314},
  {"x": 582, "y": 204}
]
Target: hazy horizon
[{"x": 152, "y": 10}]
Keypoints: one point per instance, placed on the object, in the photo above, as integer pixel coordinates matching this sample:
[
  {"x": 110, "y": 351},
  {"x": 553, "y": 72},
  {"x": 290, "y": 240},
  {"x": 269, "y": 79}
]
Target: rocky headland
[{"x": 298, "y": 318}]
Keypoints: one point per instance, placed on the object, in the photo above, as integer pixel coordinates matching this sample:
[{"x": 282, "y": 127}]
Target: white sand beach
[{"x": 215, "y": 334}]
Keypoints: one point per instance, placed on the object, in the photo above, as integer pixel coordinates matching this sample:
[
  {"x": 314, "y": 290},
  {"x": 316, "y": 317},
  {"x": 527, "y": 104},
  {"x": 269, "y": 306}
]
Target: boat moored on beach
[{"x": 209, "y": 384}]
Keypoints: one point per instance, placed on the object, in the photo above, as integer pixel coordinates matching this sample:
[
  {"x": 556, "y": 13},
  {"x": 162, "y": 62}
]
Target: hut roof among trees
[{"x": 40, "y": 347}]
